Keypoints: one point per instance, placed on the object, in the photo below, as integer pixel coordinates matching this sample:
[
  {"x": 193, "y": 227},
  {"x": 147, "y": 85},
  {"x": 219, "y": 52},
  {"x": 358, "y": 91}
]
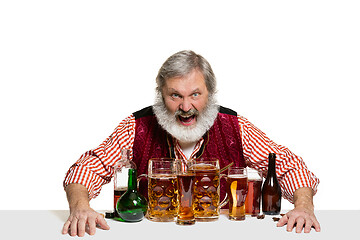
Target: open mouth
[{"x": 187, "y": 120}]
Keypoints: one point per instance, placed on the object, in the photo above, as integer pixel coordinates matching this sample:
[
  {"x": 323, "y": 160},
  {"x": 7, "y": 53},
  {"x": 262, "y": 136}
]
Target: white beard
[{"x": 186, "y": 134}]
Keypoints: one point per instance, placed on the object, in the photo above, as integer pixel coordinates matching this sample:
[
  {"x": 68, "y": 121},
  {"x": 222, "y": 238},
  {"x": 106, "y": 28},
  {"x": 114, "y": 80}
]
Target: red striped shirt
[{"x": 95, "y": 167}]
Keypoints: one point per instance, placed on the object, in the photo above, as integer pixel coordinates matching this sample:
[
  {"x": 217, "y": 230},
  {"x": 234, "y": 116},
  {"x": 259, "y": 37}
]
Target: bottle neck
[
  {"x": 271, "y": 168},
  {"x": 132, "y": 182},
  {"x": 125, "y": 160},
  {"x": 125, "y": 154}
]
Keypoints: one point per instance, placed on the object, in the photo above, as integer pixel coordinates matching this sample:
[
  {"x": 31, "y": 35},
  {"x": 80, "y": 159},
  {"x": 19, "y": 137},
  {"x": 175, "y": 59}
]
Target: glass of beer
[
  {"x": 162, "y": 190},
  {"x": 252, "y": 202},
  {"x": 236, "y": 188},
  {"x": 186, "y": 180},
  {"x": 207, "y": 189}
]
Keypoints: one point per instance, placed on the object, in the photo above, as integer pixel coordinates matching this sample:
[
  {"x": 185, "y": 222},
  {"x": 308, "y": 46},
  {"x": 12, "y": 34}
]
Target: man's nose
[{"x": 186, "y": 105}]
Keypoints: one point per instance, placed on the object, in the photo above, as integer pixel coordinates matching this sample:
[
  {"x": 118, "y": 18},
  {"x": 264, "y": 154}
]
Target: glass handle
[
  {"x": 226, "y": 199},
  {"x": 226, "y": 167},
  {"x": 140, "y": 177}
]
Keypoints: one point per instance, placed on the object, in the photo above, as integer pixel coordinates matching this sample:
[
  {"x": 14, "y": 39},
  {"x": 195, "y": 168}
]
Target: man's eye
[
  {"x": 175, "y": 95},
  {"x": 195, "y": 94}
]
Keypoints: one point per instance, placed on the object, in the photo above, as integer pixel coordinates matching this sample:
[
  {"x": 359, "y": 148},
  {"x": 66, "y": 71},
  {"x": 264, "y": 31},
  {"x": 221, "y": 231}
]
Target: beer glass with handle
[
  {"x": 162, "y": 189},
  {"x": 207, "y": 189}
]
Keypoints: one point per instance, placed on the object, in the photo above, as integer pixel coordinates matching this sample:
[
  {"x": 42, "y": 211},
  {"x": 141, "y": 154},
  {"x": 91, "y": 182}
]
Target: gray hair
[{"x": 182, "y": 63}]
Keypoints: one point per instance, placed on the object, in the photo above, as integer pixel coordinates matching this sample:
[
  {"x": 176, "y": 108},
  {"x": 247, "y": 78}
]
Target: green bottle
[{"x": 132, "y": 206}]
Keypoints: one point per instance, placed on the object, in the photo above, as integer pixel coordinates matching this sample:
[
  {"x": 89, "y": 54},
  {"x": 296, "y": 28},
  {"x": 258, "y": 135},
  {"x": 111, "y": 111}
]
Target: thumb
[
  {"x": 283, "y": 221},
  {"x": 101, "y": 222}
]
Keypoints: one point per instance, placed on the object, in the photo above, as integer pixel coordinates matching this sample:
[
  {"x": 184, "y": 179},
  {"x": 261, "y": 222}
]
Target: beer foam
[
  {"x": 162, "y": 176},
  {"x": 203, "y": 167},
  {"x": 253, "y": 174},
  {"x": 237, "y": 176}
]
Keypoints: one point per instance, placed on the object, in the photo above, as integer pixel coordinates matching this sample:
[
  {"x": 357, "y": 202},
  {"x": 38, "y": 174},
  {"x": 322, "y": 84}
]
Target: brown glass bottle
[{"x": 271, "y": 191}]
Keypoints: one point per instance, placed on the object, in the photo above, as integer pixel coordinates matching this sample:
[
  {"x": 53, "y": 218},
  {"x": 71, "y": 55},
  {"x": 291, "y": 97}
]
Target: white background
[{"x": 70, "y": 71}]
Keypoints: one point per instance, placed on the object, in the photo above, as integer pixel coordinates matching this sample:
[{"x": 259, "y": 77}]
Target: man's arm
[
  {"x": 302, "y": 216},
  {"x": 82, "y": 218},
  {"x": 92, "y": 171},
  {"x": 289, "y": 169}
]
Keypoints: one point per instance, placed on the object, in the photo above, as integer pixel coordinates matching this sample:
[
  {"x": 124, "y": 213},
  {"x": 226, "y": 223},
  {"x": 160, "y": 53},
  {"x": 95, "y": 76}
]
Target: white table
[{"x": 48, "y": 224}]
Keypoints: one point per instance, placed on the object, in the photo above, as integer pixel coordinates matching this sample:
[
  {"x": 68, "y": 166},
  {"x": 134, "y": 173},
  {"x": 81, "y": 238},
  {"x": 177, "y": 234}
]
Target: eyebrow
[
  {"x": 176, "y": 91},
  {"x": 196, "y": 90},
  {"x": 172, "y": 90}
]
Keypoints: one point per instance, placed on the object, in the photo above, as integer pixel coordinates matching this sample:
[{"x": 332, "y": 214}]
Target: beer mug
[
  {"x": 162, "y": 190},
  {"x": 207, "y": 189}
]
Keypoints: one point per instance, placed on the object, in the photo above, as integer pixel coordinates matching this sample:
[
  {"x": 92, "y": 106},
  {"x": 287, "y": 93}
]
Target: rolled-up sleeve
[
  {"x": 291, "y": 170},
  {"x": 96, "y": 167}
]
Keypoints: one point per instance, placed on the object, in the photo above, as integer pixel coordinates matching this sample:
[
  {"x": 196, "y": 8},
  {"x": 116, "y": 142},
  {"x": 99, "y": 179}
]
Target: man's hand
[
  {"x": 302, "y": 216},
  {"x": 82, "y": 218}
]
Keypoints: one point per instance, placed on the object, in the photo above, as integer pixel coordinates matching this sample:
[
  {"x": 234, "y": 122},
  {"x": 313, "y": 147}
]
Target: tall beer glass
[
  {"x": 186, "y": 179},
  {"x": 253, "y": 197},
  {"x": 236, "y": 188},
  {"x": 162, "y": 190}
]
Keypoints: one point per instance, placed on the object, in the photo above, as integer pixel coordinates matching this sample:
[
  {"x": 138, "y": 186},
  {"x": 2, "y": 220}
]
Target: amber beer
[
  {"x": 206, "y": 192},
  {"x": 253, "y": 197},
  {"x": 236, "y": 187},
  {"x": 162, "y": 189},
  {"x": 163, "y": 198},
  {"x": 186, "y": 188},
  {"x": 252, "y": 202}
]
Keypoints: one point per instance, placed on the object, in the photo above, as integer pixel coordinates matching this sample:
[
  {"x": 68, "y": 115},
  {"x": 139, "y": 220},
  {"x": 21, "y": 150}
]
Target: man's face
[{"x": 186, "y": 97}]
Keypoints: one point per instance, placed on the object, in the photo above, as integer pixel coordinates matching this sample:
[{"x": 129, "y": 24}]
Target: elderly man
[{"x": 186, "y": 122}]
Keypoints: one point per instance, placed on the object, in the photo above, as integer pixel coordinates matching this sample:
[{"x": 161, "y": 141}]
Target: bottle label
[{"x": 121, "y": 178}]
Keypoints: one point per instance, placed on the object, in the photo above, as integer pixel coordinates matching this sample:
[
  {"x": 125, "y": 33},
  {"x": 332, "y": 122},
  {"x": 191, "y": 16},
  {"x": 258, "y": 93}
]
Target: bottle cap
[
  {"x": 272, "y": 155},
  {"x": 109, "y": 215}
]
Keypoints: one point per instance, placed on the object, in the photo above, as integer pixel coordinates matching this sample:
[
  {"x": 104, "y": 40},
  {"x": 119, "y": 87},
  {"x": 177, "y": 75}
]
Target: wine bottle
[
  {"x": 121, "y": 170},
  {"x": 271, "y": 191},
  {"x": 132, "y": 206}
]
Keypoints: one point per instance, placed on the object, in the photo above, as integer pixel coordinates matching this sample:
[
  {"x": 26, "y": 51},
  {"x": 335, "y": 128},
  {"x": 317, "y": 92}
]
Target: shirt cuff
[
  {"x": 298, "y": 178},
  {"x": 82, "y": 175}
]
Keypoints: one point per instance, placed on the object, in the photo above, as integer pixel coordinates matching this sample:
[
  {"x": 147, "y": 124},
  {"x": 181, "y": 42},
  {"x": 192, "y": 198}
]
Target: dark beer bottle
[
  {"x": 132, "y": 206},
  {"x": 271, "y": 191}
]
